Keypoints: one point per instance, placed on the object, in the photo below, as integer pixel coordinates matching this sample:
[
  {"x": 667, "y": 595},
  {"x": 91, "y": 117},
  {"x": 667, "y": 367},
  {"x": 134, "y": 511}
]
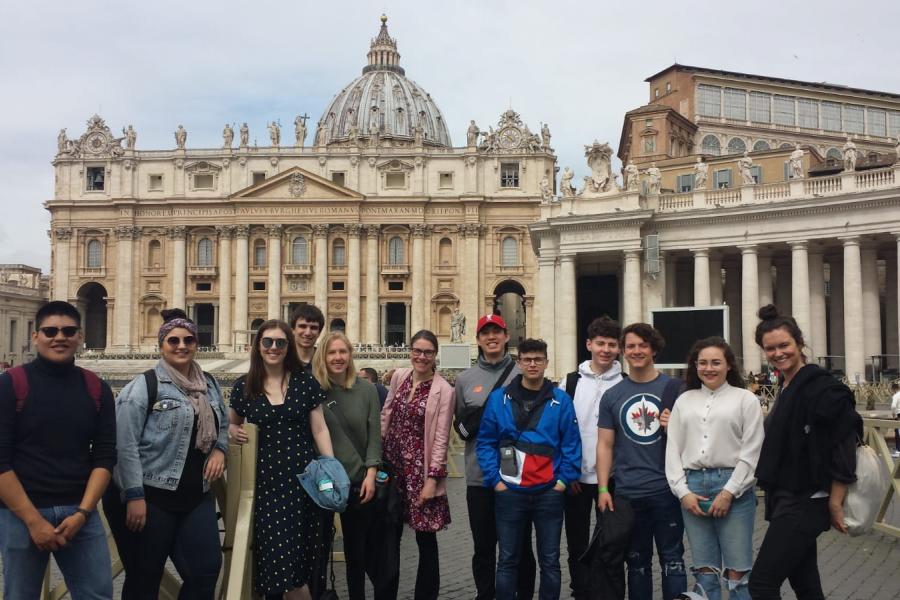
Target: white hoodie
[{"x": 588, "y": 392}]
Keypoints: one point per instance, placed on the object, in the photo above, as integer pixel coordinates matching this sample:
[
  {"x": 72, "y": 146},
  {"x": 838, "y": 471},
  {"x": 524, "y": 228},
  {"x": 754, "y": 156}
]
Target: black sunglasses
[
  {"x": 279, "y": 343},
  {"x": 175, "y": 341},
  {"x": 68, "y": 331}
]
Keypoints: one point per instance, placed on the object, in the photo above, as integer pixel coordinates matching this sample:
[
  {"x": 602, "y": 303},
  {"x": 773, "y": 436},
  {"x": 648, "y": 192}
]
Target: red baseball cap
[{"x": 490, "y": 320}]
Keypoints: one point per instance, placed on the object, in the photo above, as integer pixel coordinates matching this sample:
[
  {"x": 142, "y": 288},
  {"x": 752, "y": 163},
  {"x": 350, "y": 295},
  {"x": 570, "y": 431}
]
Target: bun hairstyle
[
  {"x": 173, "y": 318},
  {"x": 173, "y": 313},
  {"x": 771, "y": 319}
]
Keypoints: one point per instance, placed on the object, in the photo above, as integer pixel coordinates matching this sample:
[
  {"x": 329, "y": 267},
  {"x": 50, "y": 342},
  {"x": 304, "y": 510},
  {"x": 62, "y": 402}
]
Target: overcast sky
[{"x": 575, "y": 65}]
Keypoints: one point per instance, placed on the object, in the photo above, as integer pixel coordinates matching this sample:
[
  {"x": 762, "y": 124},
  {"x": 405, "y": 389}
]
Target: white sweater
[
  {"x": 720, "y": 428},
  {"x": 588, "y": 393}
]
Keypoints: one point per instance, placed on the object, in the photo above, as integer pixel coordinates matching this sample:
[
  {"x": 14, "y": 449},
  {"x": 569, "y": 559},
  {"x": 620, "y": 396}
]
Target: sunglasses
[
  {"x": 176, "y": 341},
  {"x": 279, "y": 343},
  {"x": 68, "y": 331}
]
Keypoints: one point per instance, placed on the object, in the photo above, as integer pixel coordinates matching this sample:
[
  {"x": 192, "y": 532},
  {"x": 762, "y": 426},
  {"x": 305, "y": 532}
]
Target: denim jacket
[{"x": 152, "y": 449}]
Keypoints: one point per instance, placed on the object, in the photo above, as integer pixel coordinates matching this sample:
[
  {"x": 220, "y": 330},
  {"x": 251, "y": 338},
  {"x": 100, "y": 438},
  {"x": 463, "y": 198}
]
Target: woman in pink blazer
[{"x": 415, "y": 426}]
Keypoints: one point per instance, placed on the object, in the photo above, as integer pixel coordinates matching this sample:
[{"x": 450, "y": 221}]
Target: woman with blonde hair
[{"x": 353, "y": 415}]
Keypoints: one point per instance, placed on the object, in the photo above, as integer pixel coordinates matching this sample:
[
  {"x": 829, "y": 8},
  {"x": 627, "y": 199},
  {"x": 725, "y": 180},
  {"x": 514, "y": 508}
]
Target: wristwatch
[{"x": 84, "y": 512}]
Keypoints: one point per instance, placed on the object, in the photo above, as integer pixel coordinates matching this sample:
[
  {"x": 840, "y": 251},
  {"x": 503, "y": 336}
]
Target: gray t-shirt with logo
[{"x": 632, "y": 410}]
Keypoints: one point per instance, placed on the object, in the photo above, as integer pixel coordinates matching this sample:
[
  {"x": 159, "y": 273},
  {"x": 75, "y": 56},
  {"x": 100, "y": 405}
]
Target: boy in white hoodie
[{"x": 586, "y": 386}]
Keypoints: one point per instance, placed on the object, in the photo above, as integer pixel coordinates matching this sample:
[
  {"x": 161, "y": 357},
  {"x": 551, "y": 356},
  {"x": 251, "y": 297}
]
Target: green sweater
[{"x": 363, "y": 414}]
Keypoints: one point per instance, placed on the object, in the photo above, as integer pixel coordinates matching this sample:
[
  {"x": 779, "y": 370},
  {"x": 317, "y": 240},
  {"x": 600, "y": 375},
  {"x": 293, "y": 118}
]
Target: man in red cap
[{"x": 495, "y": 368}]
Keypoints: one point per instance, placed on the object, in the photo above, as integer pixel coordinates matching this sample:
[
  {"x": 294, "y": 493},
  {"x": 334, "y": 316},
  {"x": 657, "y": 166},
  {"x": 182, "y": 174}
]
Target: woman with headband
[{"x": 172, "y": 436}]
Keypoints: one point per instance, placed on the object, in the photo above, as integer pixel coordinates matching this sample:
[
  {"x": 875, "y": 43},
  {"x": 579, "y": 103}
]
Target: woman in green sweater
[{"x": 353, "y": 415}]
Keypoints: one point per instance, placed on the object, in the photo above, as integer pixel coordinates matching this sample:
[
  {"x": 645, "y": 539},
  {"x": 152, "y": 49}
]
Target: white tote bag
[{"x": 864, "y": 497}]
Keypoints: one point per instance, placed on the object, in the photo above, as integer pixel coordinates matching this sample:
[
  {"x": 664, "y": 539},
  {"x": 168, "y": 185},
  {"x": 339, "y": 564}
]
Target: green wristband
[
  {"x": 603, "y": 490},
  {"x": 561, "y": 482}
]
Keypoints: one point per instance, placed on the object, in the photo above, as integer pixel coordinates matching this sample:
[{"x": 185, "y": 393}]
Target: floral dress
[
  {"x": 286, "y": 540},
  {"x": 404, "y": 448}
]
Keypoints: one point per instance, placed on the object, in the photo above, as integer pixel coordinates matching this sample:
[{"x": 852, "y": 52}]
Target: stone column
[
  {"x": 373, "y": 277},
  {"x": 546, "y": 311},
  {"x": 320, "y": 277},
  {"x": 749, "y": 307},
  {"x": 817, "y": 340},
  {"x": 764, "y": 268},
  {"x": 800, "y": 286},
  {"x": 715, "y": 280},
  {"x": 418, "y": 276},
  {"x": 733, "y": 279},
  {"x": 409, "y": 332},
  {"x": 836, "y": 322},
  {"x": 61, "y": 263},
  {"x": 631, "y": 305},
  {"x": 701, "y": 277},
  {"x": 125, "y": 313},
  {"x": 871, "y": 303},
  {"x": 566, "y": 323},
  {"x": 470, "y": 274},
  {"x": 854, "y": 346},
  {"x": 241, "y": 284},
  {"x": 353, "y": 283},
  {"x": 383, "y": 332},
  {"x": 273, "y": 309},
  {"x": 891, "y": 337},
  {"x": 671, "y": 277},
  {"x": 178, "y": 235},
  {"x": 226, "y": 335}
]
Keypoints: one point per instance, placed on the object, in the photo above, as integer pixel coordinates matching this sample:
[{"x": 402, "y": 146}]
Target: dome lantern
[{"x": 383, "y": 53}]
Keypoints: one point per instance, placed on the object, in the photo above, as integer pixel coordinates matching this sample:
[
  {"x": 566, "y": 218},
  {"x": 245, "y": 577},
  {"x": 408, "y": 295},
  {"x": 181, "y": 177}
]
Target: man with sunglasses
[
  {"x": 57, "y": 451},
  {"x": 307, "y": 322}
]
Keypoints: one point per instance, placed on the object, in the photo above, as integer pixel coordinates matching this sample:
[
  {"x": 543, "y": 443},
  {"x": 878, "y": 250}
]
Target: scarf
[{"x": 195, "y": 386}]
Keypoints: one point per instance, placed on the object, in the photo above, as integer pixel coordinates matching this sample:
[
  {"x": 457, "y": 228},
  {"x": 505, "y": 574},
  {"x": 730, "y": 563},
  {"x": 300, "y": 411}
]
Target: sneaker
[{"x": 896, "y": 453}]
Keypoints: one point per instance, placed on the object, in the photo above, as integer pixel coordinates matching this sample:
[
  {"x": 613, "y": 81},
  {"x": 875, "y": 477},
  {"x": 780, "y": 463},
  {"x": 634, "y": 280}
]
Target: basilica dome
[{"x": 384, "y": 104}]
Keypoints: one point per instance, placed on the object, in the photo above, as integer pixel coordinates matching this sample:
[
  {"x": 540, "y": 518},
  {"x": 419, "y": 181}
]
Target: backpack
[
  {"x": 571, "y": 383},
  {"x": 21, "y": 387}
]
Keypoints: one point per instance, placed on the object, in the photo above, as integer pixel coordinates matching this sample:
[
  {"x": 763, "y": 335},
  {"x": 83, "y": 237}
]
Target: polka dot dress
[{"x": 286, "y": 542}]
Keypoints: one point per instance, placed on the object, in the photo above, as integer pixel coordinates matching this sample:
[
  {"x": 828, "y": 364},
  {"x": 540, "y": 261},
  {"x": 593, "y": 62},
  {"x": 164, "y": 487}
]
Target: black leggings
[{"x": 191, "y": 539}]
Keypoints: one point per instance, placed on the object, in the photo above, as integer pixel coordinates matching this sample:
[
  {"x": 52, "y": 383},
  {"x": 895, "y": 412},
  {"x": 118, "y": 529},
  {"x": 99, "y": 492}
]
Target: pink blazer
[{"x": 438, "y": 419}]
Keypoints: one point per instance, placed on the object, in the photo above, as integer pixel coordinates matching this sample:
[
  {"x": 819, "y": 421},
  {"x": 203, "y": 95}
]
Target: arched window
[
  {"x": 395, "y": 251},
  {"x": 154, "y": 254},
  {"x": 761, "y": 145},
  {"x": 834, "y": 153},
  {"x": 205, "y": 253},
  {"x": 300, "y": 251},
  {"x": 711, "y": 145},
  {"x": 338, "y": 256},
  {"x": 94, "y": 258},
  {"x": 445, "y": 251},
  {"x": 509, "y": 252},
  {"x": 259, "y": 253},
  {"x": 736, "y": 146},
  {"x": 786, "y": 146}
]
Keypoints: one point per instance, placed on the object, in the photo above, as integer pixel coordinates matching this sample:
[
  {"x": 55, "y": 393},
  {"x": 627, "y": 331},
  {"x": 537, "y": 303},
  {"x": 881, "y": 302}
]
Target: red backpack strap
[
  {"x": 93, "y": 385},
  {"x": 20, "y": 385}
]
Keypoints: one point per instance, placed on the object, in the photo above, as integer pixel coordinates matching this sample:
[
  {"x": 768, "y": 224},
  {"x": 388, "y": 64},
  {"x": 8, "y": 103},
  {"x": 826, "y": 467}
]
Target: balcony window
[
  {"x": 205, "y": 253},
  {"x": 338, "y": 254},
  {"x": 94, "y": 257},
  {"x": 784, "y": 110},
  {"x": 445, "y": 251},
  {"x": 756, "y": 173},
  {"x": 259, "y": 253},
  {"x": 395, "y": 251},
  {"x": 300, "y": 251},
  {"x": 709, "y": 100},
  {"x": 395, "y": 180},
  {"x": 831, "y": 116},
  {"x": 735, "y": 104},
  {"x": 509, "y": 252},
  {"x": 807, "y": 113},
  {"x": 877, "y": 122},
  {"x": 722, "y": 179},
  {"x": 685, "y": 183},
  {"x": 203, "y": 181},
  {"x": 760, "y": 107},
  {"x": 854, "y": 118}
]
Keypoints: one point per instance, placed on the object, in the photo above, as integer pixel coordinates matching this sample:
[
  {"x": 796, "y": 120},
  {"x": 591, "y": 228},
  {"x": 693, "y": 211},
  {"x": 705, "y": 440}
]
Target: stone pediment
[{"x": 296, "y": 184}]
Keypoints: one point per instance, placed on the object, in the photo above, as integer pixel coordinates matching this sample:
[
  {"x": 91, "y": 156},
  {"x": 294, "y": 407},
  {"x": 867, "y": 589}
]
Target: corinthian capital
[
  {"x": 418, "y": 230},
  {"x": 372, "y": 231},
  {"x": 62, "y": 233},
  {"x": 225, "y": 231},
  {"x": 176, "y": 232},
  {"x": 242, "y": 231},
  {"x": 320, "y": 230},
  {"x": 127, "y": 232},
  {"x": 274, "y": 231},
  {"x": 354, "y": 229}
]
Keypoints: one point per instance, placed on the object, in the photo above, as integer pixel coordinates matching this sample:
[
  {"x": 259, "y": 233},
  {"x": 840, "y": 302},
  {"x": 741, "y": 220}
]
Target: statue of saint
[
  {"x": 180, "y": 137},
  {"x": 897, "y": 147},
  {"x": 546, "y": 192},
  {"x": 275, "y": 133},
  {"x": 227, "y": 136},
  {"x": 130, "y": 137},
  {"x": 418, "y": 135},
  {"x": 62, "y": 142},
  {"x": 850, "y": 155},
  {"x": 701, "y": 172},
  {"x": 457, "y": 326},
  {"x": 300, "y": 130},
  {"x": 472, "y": 134},
  {"x": 745, "y": 164},
  {"x": 654, "y": 177},
  {"x": 545, "y": 136},
  {"x": 632, "y": 177},
  {"x": 565, "y": 186},
  {"x": 796, "y": 162},
  {"x": 245, "y": 135}
]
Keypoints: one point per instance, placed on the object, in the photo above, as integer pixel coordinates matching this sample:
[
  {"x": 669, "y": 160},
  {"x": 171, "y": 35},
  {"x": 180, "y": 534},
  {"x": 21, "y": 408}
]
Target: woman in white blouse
[{"x": 714, "y": 435}]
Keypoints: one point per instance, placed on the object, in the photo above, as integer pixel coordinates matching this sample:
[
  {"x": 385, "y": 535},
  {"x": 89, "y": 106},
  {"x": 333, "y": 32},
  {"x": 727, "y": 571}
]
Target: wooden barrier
[{"x": 875, "y": 431}]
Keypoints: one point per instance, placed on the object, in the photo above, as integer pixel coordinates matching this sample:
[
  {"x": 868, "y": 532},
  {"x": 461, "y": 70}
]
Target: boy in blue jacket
[{"x": 529, "y": 450}]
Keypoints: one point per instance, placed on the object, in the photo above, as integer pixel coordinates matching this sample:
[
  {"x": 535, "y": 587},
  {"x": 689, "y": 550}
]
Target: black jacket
[{"x": 605, "y": 556}]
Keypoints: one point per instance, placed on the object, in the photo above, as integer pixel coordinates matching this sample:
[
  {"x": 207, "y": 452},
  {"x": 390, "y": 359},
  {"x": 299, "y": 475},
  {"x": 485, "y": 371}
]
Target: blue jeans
[
  {"x": 545, "y": 510},
  {"x": 656, "y": 517},
  {"x": 723, "y": 543},
  {"x": 84, "y": 562}
]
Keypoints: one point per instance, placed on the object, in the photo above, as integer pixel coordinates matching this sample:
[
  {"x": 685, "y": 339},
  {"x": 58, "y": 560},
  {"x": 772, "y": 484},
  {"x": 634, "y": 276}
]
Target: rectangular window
[
  {"x": 446, "y": 180},
  {"x": 722, "y": 179},
  {"x": 709, "y": 100},
  {"x": 760, "y": 107},
  {"x": 784, "y": 110},
  {"x": 258, "y": 177},
  {"x": 685, "y": 183},
  {"x": 807, "y": 113},
  {"x": 204, "y": 286},
  {"x": 756, "y": 173},
  {"x": 13, "y": 334},
  {"x": 395, "y": 286},
  {"x": 203, "y": 181},
  {"x": 338, "y": 178},
  {"x": 95, "y": 179},
  {"x": 735, "y": 104},
  {"x": 854, "y": 118},
  {"x": 787, "y": 170},
  {"x": 831, "y": 116},
  {"x": 668, "y": 86},
  {"x": 894, "y": 124},
  {"x": 337, "y": 286},
  {"x": 155, "y": 183},
  {"x": 509, "y": 175},
  {"x": 877, "y": 122},
  {"x": 259, "y": 286},
  {"x": 395, "y": 180}
]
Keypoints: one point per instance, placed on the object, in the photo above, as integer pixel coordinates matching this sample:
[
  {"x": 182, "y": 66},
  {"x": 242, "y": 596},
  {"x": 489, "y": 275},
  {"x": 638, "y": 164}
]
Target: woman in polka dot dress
[
  {"x": 415, "y": 425},
  {"x": 285, "y": 403}
]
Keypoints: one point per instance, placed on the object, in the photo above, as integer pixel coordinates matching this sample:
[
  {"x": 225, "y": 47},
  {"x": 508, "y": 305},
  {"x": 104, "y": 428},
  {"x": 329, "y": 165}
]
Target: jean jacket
[{"x": 152, "y": 449}]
